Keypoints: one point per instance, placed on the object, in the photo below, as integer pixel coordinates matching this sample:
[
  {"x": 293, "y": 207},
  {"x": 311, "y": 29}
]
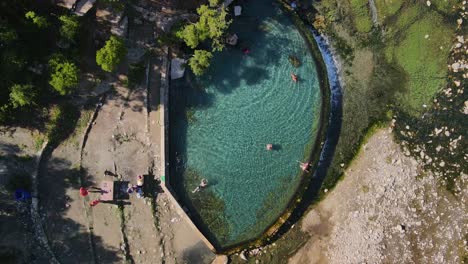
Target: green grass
[
  {"x": 362, "y": 16},
  {"x": 407, "y": 17},
  {"x": 387, "y": 8},
  {"x": 39, "y": 140},
  {"x": 424, "y": 60},
  {"x": 81, "y": 125},
  {"x": 445, "y": 6},
  {"x": 62, "y": 122}
]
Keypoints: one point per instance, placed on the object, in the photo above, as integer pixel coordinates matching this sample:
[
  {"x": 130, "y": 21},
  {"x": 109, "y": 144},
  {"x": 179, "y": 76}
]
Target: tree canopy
[
  {"x": 109, "y": 56},
  {"x": 28, "y": 34},
  {"x": 211, "y": 25},
  {"x": 213, "y": 3},
  {"x": 69, "y": 27},
  {"x": 64, "y": 76},
  {"x": 22, "y": 95},
  {"x": 200, "y": 61},
  {"x": 190, "y": 35},
  {"x": 39, "y": 21}
]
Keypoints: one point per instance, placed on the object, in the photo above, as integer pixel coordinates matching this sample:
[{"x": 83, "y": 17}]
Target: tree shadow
[
  {"x": 198, "y": 253},
  {"x": 70, "y": 241}
]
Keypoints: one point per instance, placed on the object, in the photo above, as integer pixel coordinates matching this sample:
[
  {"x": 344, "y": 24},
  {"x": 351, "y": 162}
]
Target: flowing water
[{"x": 222, "y": 122}]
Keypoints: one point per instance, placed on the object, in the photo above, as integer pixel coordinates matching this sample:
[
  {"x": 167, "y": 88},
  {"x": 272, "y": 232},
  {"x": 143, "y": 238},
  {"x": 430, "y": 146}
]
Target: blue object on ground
[{"x": 22, "y": 195}]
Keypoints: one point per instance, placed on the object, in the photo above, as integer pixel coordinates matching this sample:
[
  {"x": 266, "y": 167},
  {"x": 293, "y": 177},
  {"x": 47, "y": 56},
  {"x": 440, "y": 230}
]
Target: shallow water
[{"x": 243, "y": 103}]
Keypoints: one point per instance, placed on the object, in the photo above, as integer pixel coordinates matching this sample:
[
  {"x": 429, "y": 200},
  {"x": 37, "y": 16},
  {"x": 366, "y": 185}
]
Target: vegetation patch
[
  {"x": 446, "y": 6},
  {"x": 361, "y": 15},
  {"x": 294, "y": 60},
  {"x": 423, "y": 53},
  {"x": 110, "y": 56},
  {"x": 210, "y": 207},
  {"x": 408, "y": 16},
  {"x": 61, "y": 123},
  {"x": 387, "y": 8},
  {"x": 136, "y": 72},
  {"x": 210, "y": 29}
]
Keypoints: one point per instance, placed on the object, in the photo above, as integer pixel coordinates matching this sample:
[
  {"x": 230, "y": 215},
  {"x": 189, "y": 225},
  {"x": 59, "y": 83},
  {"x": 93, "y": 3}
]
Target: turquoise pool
[{"x": 222, "y": 122}]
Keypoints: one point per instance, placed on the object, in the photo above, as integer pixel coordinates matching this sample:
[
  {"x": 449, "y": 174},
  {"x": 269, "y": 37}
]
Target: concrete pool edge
[
  {"x": 165, "y": 183},
  {"x": 270, "y": 233}
]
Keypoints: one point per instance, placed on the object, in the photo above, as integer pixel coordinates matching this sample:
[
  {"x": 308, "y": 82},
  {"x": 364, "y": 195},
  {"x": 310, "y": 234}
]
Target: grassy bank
[
  {"x": 397, "y": 68},
  {"x": 394, "y": 70}
]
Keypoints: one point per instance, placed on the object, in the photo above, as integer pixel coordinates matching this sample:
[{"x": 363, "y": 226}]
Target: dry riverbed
[{"x": 387, "y": 209}]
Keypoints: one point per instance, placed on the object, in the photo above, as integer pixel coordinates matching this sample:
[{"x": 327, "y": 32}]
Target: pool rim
[{"x": 268, "y": 235}]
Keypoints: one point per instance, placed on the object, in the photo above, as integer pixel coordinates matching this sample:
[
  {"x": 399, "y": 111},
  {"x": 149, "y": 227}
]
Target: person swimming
[
  {"x": 202, "y": 185},
  {"x": 294, "y": 77}
]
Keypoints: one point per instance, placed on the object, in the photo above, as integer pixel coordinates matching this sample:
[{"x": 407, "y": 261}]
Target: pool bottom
[{"x": 216, "y": 210}]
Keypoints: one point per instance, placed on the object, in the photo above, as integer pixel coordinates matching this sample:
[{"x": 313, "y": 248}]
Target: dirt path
[
  {"x": 61, "y": 207},
  {"x": 386, "y": 210}
]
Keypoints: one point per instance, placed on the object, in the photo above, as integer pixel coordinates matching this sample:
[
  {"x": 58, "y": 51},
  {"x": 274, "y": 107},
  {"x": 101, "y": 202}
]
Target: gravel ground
[{"x": 387, "y": 209}]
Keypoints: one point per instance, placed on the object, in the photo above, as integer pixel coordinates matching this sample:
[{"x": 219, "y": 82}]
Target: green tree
[
  {"x": 200, "y": 61},
  {"x": 70, "y": 27},
  {"x": 39, "y": 21},
  {"x": 190, "y": 35},
  {"x": 212, "y": 24},
  {"x": 7, "y": 35},
  {"x": 213, "y": 3},
  {"x": 22, "y": 95},
  {"x": 64, "y": 77},
  {"x": 111, "y": 54}
]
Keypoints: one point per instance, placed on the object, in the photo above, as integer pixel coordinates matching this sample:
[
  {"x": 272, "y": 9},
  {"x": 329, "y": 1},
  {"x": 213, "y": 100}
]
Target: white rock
[
  {"x": 242, "y": 256},
  {"x": 428, "y": 3}
]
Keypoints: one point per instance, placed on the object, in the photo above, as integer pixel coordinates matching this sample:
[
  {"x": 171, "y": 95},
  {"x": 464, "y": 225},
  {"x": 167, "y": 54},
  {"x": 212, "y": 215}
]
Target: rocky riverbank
[{"x": 387, "y": 210}]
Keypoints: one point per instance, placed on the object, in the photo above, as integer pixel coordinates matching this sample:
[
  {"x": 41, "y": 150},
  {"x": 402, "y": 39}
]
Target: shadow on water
[
  {"x": 247, "y": 68},
  {"x": 331, "y": 138}
]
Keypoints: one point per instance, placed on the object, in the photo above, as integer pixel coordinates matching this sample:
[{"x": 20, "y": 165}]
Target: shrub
[
  {"x": 200, "y": 61},
  {"x": 64, "y": 77},
  {"x": 39, "y": 21},
  {"x": 70, "y": 27},
  {"x": 22, "y": 95},
  {"x": 113, "y": 52}
]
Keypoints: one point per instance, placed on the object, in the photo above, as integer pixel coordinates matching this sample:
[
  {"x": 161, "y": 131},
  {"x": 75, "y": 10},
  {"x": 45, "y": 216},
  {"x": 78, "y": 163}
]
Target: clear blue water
[{"x": 241, "y": 104}]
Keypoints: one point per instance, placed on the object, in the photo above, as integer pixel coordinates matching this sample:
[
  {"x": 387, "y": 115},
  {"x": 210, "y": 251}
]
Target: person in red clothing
[
  {"x": 94, "y": 202},
  {"x": 83, "y": 191}
]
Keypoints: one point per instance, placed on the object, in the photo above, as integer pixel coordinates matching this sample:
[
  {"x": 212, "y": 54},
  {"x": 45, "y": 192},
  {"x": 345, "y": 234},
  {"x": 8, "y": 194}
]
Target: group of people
[
  {"x": 85, "y": 191},
  {"x": 138, "y": 188},
  {"x": 130, "y": 188}
]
